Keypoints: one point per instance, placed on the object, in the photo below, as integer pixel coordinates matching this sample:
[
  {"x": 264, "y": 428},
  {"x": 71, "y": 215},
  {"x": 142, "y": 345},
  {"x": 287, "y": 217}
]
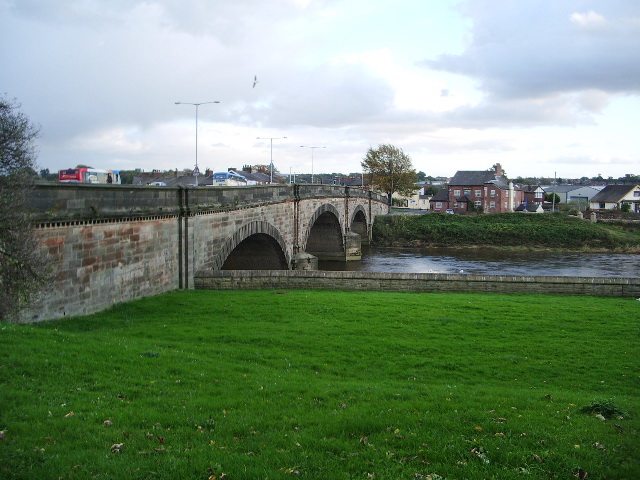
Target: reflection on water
[{"x": 491, "y": 262}]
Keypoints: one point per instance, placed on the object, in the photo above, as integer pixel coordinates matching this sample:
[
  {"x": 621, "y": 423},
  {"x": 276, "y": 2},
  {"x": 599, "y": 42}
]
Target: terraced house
[{"x": 486, "y": 191}]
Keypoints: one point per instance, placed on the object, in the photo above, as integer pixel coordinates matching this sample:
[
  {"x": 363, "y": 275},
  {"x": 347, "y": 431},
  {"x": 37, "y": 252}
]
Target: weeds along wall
[{"x": 418, "y": 282}]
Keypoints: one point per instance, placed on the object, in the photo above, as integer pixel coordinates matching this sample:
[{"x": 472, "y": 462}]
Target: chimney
[{"x": 498, "y": 170}]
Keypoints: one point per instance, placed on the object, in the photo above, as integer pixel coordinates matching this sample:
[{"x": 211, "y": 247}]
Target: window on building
[
  {"x": 478, "y": 193},
  {"x": 636, "y": 193},
  {"x": 602, "y": 205},
  {"x": 539, "y": 194},
  {"x": 467, "y": 191},
  {"x": 456, "y": 193},
  {"x": 478, "y": 203},
  {"x": 492, "y": 204},
  {"x": 438, "y": 204},
  {"x": 493, "y": 193},
  {"x": 455, "y": 204}
]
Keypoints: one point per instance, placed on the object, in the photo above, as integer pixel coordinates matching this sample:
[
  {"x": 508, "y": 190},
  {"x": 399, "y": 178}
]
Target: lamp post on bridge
[
  {"x": 196, "y": 171},
  {"x": 312, "y": 149},
  {"x": 271, "y": 163}
]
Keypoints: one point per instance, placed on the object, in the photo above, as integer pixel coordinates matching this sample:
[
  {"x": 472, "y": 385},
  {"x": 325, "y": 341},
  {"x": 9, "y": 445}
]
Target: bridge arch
[
  {"x": 324, "y": 235},
  {"x": 256, "y": 245},
  {"x": 359, "y": 224}
]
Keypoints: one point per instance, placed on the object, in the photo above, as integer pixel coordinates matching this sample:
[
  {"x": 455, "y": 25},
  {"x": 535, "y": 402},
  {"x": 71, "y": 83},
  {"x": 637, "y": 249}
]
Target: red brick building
[
  {"x": 533, "y": 194},
  {"x": 486, "y": 191}
]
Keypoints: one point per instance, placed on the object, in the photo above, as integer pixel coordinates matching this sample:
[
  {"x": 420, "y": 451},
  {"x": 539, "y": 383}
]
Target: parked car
[{"x": 450, "y": 211}]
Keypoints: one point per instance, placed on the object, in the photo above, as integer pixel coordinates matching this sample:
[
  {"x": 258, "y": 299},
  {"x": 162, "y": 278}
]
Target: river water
[{"x": 491, "y": 262}]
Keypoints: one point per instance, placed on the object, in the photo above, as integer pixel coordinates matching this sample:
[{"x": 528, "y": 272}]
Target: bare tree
[
  {"x": 22, "y": 270},
  {"x": 390, "y": 170}
]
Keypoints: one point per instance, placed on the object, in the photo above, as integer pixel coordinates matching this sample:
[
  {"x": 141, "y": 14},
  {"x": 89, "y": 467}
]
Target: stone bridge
[{"x": 113, "y": 243}]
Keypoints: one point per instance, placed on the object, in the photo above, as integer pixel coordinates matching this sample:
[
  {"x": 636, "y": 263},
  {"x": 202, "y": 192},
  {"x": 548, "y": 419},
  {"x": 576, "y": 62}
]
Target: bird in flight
[{"x": 255, "y": 81}]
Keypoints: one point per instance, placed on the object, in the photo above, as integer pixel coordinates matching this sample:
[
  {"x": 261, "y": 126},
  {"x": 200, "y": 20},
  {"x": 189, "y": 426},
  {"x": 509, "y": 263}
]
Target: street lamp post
[
  {"x": 196, "y": 171},
  {"x": 271, "y": 164},
  {"x": 312, "y": 149}
]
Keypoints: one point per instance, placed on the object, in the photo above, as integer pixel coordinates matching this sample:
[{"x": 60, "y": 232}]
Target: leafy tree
[
  {"x": 22, "y": 270},
  {"x": 549, "y": 198},
  {"x": 431, "y": 190},
  {"x": 421, "y": 176},
  {"x": 126, "y": 176},
  {"x": 47, "y": 175},
  {"x": 630, "y": 178},
  {"x": 266, "y": 169},
  {"x": 390, "y": 170}
]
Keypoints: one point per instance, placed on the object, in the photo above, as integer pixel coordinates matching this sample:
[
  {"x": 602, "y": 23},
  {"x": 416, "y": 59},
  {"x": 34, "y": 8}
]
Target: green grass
[
  {"x": 325, "y": 385},
  {"x": 504, "y": 230}
]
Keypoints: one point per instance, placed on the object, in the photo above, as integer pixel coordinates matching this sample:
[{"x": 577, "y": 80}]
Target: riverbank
[{"x": 517, "y": 231}]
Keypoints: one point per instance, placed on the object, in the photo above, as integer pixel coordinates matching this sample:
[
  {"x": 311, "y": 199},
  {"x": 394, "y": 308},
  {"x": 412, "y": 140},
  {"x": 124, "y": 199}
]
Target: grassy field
[
  {"x": 505, "y": 230},
  {"x": 326, "y": 385}
]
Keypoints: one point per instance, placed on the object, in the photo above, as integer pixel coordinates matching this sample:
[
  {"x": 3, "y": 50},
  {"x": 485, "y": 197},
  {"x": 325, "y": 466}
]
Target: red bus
[{"x": 89, "y": 175}]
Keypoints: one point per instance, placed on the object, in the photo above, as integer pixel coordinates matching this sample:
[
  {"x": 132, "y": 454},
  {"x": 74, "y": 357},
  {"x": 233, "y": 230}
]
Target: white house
[
  {"x": 613, "y": 197},
  {"x": 417, "y": 200}
]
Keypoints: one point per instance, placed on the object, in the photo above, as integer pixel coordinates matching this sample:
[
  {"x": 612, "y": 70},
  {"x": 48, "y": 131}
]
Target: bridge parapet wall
[
  {"x": 63, "y": 202},
  {"x": 215, "y": 198}
]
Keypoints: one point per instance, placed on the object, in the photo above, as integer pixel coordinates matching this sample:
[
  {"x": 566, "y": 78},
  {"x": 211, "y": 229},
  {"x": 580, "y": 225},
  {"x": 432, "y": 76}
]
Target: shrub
[{"x": 607, "y": 408}]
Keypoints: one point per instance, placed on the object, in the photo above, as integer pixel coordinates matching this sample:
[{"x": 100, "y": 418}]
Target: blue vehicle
[{"x": 226, "y": 179}]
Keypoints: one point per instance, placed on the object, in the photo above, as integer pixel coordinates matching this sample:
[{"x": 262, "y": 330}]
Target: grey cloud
[
  {"x": 60, "y": 12},
  {"x": 557, "y": 110},
  {"x": 97, "y": 55},
  {"x": 530, "y": 50},
  {"x": 327, "y": 96},
  {"x": 590, "y": 160}
]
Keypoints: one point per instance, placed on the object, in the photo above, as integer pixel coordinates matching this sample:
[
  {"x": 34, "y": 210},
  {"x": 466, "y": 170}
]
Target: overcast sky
[{"x": 541, "y": 86}]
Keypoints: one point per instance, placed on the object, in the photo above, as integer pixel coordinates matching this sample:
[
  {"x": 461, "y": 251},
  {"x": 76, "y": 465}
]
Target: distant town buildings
[{"x": 468, "y": 191}]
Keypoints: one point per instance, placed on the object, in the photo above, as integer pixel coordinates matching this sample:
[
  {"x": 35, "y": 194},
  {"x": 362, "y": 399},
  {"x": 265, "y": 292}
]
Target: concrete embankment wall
[{"x": 417, "y": 282}]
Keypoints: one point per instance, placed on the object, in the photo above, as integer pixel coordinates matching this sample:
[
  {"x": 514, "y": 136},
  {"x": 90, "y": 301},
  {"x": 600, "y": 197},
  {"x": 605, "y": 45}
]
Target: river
[{"x": 491, "y": 262}]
